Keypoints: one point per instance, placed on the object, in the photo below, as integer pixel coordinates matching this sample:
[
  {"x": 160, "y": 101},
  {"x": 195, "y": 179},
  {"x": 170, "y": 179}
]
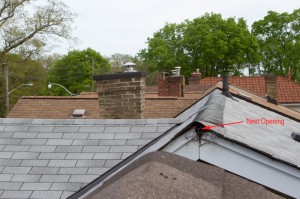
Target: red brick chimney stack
[
  {"x": 195, "y": 77},
  {"x": 171, "y": 85}
]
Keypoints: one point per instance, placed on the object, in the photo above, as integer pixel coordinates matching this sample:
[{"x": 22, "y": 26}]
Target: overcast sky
[{"x": 123, "y": 26}]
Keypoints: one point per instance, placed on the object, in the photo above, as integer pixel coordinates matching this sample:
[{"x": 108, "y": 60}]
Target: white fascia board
[
  {"x": 252, "y": 165},
  {"x": 239, "y": 160},
  {"x": 186, "y": 145}
]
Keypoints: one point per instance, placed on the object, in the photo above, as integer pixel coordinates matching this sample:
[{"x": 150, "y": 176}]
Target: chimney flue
[
  {"x": 226, "y": 86},
  {"x": 195, "y": 77},
  {"x": 177, "y": 68}
]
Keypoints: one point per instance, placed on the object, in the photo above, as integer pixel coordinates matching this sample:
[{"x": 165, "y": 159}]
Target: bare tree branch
[
  {"x": 48, "y": 21},
  {"x": 8, "y": 9}
]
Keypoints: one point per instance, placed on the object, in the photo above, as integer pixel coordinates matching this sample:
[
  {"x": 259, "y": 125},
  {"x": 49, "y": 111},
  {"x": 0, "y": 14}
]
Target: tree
[
  {"x": 151, "y": 76},
  {"x": 74, "y": 71},
  {"x": 21, "y": 72},
  {"x": 215, "y": 45},
  {"x": 279, "y": 39},
  {"x": 220, "y": 46},
  {"x": 166, "y": 49},
  {"x": 117, "y": 60},
  {"x": 26, "y": 28}
]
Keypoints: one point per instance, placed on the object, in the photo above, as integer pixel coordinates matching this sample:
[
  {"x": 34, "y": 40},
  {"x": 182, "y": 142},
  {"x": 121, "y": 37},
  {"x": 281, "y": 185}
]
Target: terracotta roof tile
[{"x": 287, "y": 90}]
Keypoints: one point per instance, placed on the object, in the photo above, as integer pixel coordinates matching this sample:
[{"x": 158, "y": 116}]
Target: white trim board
[{"x": 239, "y": 160}]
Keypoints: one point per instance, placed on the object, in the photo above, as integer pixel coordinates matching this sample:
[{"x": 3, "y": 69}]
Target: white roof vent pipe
[
  {"x": 177, "y": 68},
  {"x": 164, "y": 74},
  {"x": 174, "y": 72},
  {"x": 129, "y": 67}
]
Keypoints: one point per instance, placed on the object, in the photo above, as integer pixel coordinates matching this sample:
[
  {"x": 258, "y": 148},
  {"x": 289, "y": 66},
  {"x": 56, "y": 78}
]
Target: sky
[{"x": 123, "y": 26}]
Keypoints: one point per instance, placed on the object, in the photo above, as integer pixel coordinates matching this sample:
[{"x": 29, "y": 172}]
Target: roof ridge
[{"x": 213, "y": 110}]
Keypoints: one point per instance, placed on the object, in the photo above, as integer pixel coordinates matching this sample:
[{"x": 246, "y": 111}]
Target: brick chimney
[
  {"x": 121, "y": 95},
  {"x": 171, "y": 86},
  {"x": 195, "y": 78},
  {"x": 271, "y": 89}
]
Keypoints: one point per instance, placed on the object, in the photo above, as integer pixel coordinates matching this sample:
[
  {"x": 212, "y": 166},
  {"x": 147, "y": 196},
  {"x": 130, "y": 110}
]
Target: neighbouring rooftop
[{"x": 288, "y": 91}]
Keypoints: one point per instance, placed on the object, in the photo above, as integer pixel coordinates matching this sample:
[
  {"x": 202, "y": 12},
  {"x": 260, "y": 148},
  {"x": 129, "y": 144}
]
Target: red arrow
[{"x": 207, "y": 128}]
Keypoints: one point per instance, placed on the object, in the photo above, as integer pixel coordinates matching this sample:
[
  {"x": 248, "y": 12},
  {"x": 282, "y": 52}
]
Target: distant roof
[
  {"x": 165, "y": 175},
  {"x": 55, "y": 107},
  {"x": 168, "y": 107},
  {"x": 288, "y": 91},
  {"x": 61, "y": 107}
]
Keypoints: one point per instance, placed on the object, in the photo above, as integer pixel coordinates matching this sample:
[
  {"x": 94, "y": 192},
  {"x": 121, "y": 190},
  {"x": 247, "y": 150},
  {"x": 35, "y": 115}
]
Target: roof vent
[
  {"x": 177, "y": 68},
  {"x": 78, "y": 113},
  {"x": 296, "y": 136},
  {"x": 164, "y": 74},
  {"x": 129, "y": 67}
]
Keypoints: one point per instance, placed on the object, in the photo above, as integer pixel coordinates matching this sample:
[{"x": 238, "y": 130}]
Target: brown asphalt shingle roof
[
  {"x": 55, "y": 107},
  {"x": 164, "y": 175},
  {"x": 61, "y": 107},
  {"x": 168, "y": 107}
]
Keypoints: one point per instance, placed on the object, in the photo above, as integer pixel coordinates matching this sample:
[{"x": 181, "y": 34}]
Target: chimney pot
[
  {"x": 177, "y": 68},
  {"x": 129, "y": 67},
  {"x": 195, "y": 78},
  {"x": 171, "y": 86}
]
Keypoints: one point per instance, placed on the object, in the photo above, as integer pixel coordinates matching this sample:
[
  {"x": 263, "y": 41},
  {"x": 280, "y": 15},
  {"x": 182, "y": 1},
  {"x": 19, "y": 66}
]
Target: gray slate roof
[
  {"x": 273, "y": 139},
  {"x": 55, "y": 158}
]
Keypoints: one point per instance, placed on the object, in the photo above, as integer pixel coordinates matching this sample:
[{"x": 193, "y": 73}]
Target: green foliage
[
  {"x": 165, "y": 50},
  {"x": 21, "y": 72},
  {"x": 220, "y": 46},
  {"x": 151, "y": 76},
  {"x": 74, "y": 71},
  {"x": 279, "y": 39},
  {"x": 215, "y": 45}
]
